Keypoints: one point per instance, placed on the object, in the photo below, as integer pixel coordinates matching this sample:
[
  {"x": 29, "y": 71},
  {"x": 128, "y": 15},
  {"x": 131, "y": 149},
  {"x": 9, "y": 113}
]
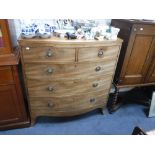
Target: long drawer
[
  {"x": 38, "y": 88},
  {"x": 67, "y": 106},
  {"x": 47, "y": 71}
]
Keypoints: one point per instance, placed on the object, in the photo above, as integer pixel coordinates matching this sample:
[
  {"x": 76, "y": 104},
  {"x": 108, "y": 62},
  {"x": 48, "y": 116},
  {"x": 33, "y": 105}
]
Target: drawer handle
[
  {"x": 50, "y": 88},
  {"x": 98, "y": 68},
  {"x": 27, "y": 48},
  {"x": 92, "y": 100},
  {"x": 50, "y": 70},
  {"x": 95, "y": 84},
  {"x": 49, "y": 53},
  {"x": 50, "y": 104},
  {"x": 100, "y": 53}
]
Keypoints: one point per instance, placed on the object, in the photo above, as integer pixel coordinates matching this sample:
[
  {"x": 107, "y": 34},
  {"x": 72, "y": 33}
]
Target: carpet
[{"x": 122, "y": 122}]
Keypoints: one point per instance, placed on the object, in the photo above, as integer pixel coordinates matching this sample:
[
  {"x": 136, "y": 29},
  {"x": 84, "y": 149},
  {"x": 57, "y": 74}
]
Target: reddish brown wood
[
  {"x": 6, "y": 75},
  {"x": 7, "y": 48},
  {"x": 136, "y": 65},
  {"x": 9, "y": 105},
  {"x": 10, "y": 59},
  {"x": 136, "y": 57},
  {"x": 13, "y": 112}
]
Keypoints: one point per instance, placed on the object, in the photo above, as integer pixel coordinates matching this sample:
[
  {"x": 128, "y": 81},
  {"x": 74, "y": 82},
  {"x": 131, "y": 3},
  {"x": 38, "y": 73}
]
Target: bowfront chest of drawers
[{"x": 67, "y": 77}]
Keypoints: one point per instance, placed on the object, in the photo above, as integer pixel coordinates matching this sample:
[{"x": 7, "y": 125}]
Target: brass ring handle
[
  {"x": 50, "y": 88},
  {"x": 49, "y": 53},
  {"x": 100, "y": 53},
  {"x": 95, "y": 84},
  {"x": 27, "y": 48},
  {"x": 50, "y": 104},
  {"x": 92, "y": 100},
  {"x": 50, "y": 70},
  {"x": 98, "y": 68}
]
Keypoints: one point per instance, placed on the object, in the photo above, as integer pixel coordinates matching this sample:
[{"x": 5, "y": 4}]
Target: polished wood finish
[
  {"x": 13, "y": 112},
  {"x": 5, "y": 37},
  {"x": 10, "y": 59},
  {"x": 67, "y": 77},
  {"x": 136, "y": 61},
  {"x": 6, "y": 75},
  {"x": 58, "y": 88},
  {"x": 68, "y": 106},
  {"x": 8, "y": 54},
  {"x": 12, "y": 109},
  {"x": 136, "y": 65},
  {"x": 47, "y": 71}
]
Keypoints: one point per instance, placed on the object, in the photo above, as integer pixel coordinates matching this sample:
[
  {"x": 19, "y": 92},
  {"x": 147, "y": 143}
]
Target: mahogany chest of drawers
[{"x": 67, "y": 77}]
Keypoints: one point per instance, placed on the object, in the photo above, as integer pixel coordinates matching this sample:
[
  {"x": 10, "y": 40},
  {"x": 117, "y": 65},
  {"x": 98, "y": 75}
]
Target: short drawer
[
  {"x": 69, "y": 71},
  {"x": 66, "y": 106},
  {"x": 52, "y": 54},
  {"x": 97, "y": 54},
  {"x": 6, "y": 75},
  {"x": 67, "y": 88}
]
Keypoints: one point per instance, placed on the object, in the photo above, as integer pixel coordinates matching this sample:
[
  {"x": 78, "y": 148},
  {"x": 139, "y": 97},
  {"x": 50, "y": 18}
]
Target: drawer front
[
  {"x": 6, "y": 75},
  {"x": 36, "y": 54},
  {"x": 58, "y": 89},
  {"x": 47, "y": 72},
  {"x": 98, "y": 54},
  {"x": 144, "y": 29},
  {"x": 66, "y": 106}
]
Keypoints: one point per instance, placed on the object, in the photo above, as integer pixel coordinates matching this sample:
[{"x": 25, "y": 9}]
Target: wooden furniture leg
[
  {"x": 33, "y": 120},
  {"x": 116, "y": 103}
]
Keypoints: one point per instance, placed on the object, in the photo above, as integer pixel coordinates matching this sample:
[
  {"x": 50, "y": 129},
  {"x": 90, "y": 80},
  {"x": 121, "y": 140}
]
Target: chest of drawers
[{"x": 67, "y": 77}]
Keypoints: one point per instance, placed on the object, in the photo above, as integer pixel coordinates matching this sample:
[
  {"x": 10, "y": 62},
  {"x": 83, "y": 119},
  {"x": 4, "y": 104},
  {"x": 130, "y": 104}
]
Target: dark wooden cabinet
[
  {"x": 13, "y": 111},
  {"x": 136, "y": 64}
]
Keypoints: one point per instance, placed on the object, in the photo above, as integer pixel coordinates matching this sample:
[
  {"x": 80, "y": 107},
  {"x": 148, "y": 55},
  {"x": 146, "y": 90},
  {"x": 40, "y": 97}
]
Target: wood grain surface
[{"x": 66, "y": 77}]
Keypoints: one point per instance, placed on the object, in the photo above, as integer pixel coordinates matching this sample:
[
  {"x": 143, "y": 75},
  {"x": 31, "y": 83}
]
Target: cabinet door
[
  {"x": 136, "y": 60},
  {"x": 150, "y": 76},
  {"x": 5, "y": 42},
  {"x": 9, "y": 105}
]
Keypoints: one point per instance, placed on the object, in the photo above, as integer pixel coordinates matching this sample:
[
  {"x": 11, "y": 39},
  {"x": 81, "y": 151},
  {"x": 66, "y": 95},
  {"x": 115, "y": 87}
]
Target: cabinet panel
[
  {"x": 5, "y": 42},
  {"x": 138, "y": 56},
  {"x": 150, "y": 78},
  {"x": 152, "y": 75},
  {"x": 1, "y": 39},
  {"x": 9, "y": 108},
  {"x": 6, "y": 75},
  {"x": 134, "y": 72}
]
